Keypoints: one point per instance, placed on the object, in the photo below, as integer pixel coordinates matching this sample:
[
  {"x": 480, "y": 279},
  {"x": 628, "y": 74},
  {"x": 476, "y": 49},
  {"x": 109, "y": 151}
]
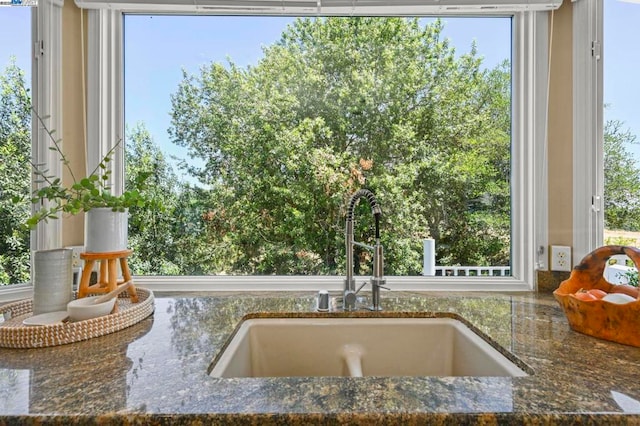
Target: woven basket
[
  {"x": 599, "y": 318},
  {"x": 13, "y": 334}
]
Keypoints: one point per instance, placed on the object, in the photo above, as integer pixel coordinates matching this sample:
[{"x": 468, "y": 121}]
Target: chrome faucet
[{"x": 377, "y": 280}]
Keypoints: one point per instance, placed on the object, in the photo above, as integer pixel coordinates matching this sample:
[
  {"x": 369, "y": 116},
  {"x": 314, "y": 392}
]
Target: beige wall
[
  {"x": 72, "y": 115},
  {"x": 560, "y": 148}
]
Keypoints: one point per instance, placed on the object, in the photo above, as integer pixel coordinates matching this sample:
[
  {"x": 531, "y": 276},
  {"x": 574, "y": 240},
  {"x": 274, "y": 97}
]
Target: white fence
[
  {"x": 429, "y": 267},
  {"x": 473, "y": 271},
  {"x": 617, "y": 271}
]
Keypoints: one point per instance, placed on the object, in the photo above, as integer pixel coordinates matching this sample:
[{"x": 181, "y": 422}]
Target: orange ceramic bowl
[{"x": 605, "y": 320}]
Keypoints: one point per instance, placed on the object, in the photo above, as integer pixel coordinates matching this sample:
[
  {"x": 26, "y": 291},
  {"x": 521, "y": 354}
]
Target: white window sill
[
  {"x": 331, "y": 283},
  {"x": 15, "y": 292},
  {"x": 298, "y": 283}
]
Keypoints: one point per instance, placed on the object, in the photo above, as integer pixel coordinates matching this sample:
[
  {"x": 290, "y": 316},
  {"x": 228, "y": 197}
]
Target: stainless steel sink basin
[{"x": 381, "y": 346}]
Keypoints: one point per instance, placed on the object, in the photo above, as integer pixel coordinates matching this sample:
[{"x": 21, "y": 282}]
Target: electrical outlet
[
  {"x": 560, "y": 258},
  {"x": 75, "y": 257}
]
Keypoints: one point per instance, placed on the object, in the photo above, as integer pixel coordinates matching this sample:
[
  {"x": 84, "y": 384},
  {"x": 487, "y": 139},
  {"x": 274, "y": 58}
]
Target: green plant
[
  {"x": 83, "y": 194},
  {"x": 632, "y": 277},
  {"x": 619, "y": 240}
]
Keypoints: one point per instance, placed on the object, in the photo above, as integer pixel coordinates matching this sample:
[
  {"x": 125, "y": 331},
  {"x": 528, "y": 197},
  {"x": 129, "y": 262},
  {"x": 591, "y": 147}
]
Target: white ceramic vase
[
  {"x": 52, "y": 280},
  {"x": 106, "y": 230}
]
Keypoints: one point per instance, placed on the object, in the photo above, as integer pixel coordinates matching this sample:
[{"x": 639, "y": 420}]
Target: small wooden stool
[{"x": 108, "y": 276}]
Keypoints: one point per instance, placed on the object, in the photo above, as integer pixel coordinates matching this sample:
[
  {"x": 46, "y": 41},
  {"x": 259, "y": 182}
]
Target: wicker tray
[
  {"x": 599, "y": 318},
  {"x": 13, "y": 334}
]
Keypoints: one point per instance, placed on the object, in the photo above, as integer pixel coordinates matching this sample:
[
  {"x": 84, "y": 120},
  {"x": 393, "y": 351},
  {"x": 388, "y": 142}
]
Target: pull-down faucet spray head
[{"x": 378, "y": 262}]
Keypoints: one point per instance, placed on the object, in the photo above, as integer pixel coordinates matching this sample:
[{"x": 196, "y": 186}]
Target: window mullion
[
  {"x": 588, "y": 186},
  {"x": 528, "y": 146},
  {"x": 105, "y": 118},
  {"x": 47, "y": 101}
]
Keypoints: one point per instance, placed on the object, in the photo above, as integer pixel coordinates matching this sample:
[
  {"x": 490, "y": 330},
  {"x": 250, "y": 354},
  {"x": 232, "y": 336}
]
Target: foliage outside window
[
  {"x": 335, "y": 105},
  {"x": 15, "y": 174},
  {"x": 622, "y": 179}
]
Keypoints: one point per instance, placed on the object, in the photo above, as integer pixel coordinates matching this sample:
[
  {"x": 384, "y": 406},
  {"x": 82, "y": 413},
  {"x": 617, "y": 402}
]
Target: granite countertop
[{"x": 155, "y": 372}]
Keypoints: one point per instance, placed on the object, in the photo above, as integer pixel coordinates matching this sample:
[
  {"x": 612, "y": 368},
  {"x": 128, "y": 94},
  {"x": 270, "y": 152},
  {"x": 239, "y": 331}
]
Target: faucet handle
[
  {"x": 349, "y": 300},
  {"x": 360, "y": 288},
  {"x": 379, "y": 282}
]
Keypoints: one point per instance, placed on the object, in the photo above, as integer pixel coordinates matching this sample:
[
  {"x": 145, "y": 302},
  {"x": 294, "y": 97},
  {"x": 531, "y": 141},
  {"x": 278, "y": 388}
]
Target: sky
[
  {"x": 157, "y": 48},
  {"x": 15, "y": 37},
  {"x": 622, "y": 65}
]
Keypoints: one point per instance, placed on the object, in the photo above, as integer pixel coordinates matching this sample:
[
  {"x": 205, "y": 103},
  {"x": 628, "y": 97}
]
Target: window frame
[
  {"x": 46, "y": 97},
  {"x": 47, "y": 100},
  {"x": 588, "y": 128},
  {"x": 529, "y": 53}
]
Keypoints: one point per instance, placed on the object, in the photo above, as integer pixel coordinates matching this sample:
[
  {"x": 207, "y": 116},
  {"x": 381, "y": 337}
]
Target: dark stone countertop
[{"x": 155, "y": 372}]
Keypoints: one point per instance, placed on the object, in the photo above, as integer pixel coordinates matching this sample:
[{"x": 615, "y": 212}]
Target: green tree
[
  {"x": 168, "y": 234},
  {"x": 621, "y": 179},
  {"x": 15, "y": 174},
  {"x": 152, "y": 233},
  {"x": 335, "y": 105}
]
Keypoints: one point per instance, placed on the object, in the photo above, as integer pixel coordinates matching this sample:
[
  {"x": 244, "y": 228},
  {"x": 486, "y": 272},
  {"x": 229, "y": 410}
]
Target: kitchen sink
[{"x": 378, "y": 346}]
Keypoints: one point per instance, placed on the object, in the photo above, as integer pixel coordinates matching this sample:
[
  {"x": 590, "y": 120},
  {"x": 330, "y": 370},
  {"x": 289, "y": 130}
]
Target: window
[
  {"x": 525, "y": 80},
  {"x": 15, "y": 142},
  {"x": 318, "y": 108},
  {"x": 529, "y": 42},
  {"x": 28, "y": 28},
  {"x": 621, "y": 156},
  {"x": 622, "y": 129}
]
